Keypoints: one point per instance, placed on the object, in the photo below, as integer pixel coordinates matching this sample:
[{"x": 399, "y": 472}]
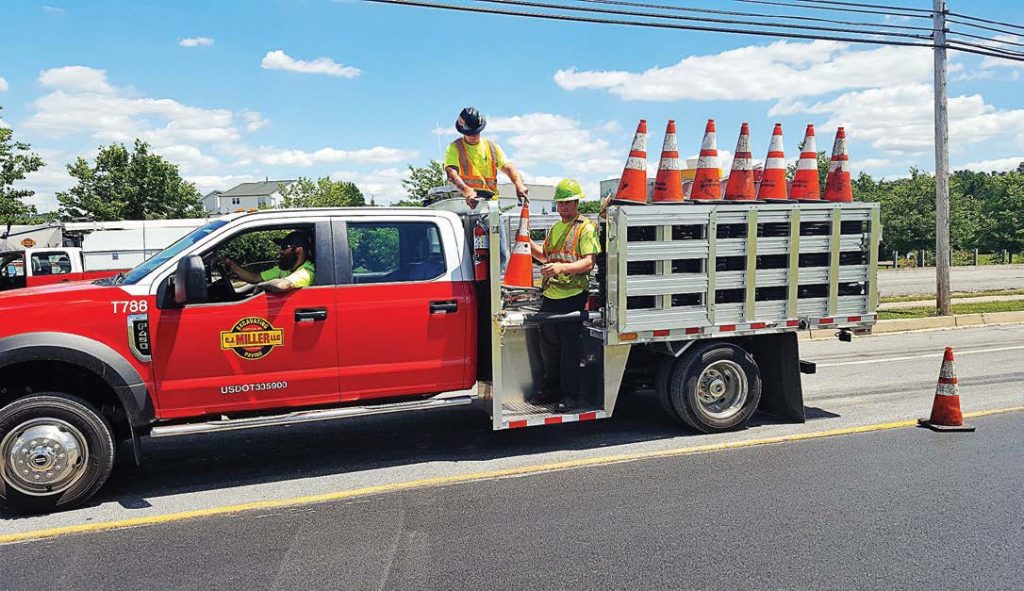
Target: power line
[
  {"x": 983, "y": 38},
  {"x": 805, "y": 7},
  {"x": 657, "y": 25},
  {"x": 755, "y": 14},
  {"x": 987, "y": 28},
  {"x": 862, "y": 5},
  {"x": 545, "y": 5},
  {"x": 986, "y": 51},
  {"x": 984, "y": 20}
]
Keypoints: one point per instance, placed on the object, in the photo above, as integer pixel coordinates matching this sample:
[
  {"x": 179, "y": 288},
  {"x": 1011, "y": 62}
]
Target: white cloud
[
  {"x": 997, "y": 165},
  {"x": 995, "y": 62},
  {"x": 196, "y": 42},
  {"x": 53, "y": 9},
  {"x": 76, "y": 79},
  {"x": 279, "y": 60},
  {"x": 783, "y": 69},
  {"x": 899, "y": 119},
  {"x": 254, "y": 120},
  {"x": 384, "y": 185},
  {"x": 293, "y": 157},
  {"x": 4, "y": 87},
  {"x": 188, "y": 157}
]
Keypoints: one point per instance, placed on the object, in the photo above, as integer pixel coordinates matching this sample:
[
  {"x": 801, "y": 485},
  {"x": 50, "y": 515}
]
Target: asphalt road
[
  {"x": 905, "y": 508},
  {"x": 964, "y": 279},
  {"x": 872, "y": 380}
]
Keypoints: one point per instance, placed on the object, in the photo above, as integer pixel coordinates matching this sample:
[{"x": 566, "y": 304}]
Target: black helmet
[
  {"x": 470, "y": 122},
  {"x": 294, "y": 239}
]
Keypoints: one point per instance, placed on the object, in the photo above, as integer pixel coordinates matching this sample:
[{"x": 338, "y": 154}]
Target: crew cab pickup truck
[
  {"x": 702, "y": 302},
  {"x": 44, "y": 266}
]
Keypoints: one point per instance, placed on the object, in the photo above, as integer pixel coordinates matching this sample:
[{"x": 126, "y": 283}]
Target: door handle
[
  {"x": 446, "y": 307},
  {"x": 310, "y": 314}
]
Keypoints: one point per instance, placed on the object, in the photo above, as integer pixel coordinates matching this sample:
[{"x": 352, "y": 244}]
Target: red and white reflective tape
[
  {"x": 539, "y": 420},
  {"x": 831, "y": 321}
]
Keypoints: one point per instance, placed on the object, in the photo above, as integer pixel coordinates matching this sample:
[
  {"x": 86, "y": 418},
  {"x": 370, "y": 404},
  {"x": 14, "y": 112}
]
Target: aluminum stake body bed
[{"x": 706, "y": 301}]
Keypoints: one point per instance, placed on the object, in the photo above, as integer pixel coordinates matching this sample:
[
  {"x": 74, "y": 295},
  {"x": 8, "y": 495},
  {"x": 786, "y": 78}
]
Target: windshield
[{"x": 136, "y": 274}]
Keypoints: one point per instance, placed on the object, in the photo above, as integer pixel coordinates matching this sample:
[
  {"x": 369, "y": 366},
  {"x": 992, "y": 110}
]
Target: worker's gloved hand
[
  {"x": 523, "y": 193},
  {"x": 470, "y": 195}
]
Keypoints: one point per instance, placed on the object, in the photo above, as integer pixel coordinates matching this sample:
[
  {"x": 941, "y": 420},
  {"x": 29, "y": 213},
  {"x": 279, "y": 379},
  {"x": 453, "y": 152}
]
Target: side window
[
  {"x": 393, "y": 252},
  {"x": 50, "y": 263}
]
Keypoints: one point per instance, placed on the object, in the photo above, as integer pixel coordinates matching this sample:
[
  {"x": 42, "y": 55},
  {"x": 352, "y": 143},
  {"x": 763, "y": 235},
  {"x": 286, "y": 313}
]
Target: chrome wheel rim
[
  {"x": 43, "y": 456},
  {"x": 722, "y": 390}
]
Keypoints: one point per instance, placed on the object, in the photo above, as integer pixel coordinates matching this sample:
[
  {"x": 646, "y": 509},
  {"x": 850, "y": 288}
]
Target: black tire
[
  {"x": 662, "y": 376},
  {"x": 94, "y": 465},
  {"x": 733, "y": 372}
]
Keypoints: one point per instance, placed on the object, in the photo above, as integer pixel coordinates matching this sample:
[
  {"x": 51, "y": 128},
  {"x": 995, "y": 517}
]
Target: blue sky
[{"x": 285, "y": 88}]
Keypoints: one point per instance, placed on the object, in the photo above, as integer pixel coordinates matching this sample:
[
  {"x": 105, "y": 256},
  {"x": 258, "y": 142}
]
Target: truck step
[
  {"x": 309, "y": 416},
  {"x": 521, "y": 414}
]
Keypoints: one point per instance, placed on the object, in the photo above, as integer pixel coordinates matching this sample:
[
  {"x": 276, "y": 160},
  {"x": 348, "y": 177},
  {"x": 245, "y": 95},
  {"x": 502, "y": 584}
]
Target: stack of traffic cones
[
  {"x": 519, "y": 273},
  {"x": 633, "y": 183},
  {"x": 668, "y": 185},
  {"x": 773, "y": 180},
  {"x": 946, "y": 415},
  {"x": 741, "y": 179},
  {"x": 805, "y": 181},
  {"x": 706, "y": 182},
  {"x": 837, "y": 184}
]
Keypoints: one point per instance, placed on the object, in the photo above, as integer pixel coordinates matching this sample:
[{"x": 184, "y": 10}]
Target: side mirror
[{"x": 190, "y": 280}]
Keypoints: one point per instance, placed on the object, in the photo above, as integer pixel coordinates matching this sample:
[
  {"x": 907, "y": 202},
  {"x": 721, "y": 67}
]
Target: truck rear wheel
[
  {"x": 712, "y": 387},
  {"x": 56, "y": 451}
]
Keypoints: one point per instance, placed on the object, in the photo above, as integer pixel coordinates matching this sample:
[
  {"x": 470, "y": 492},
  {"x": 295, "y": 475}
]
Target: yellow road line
[{"x": 449, "y": 480}]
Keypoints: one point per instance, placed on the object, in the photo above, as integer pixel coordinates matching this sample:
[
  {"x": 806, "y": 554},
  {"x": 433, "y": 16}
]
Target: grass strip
[
  {"x": 968, "y": 308},
  {"x": 964, "y": 294}
]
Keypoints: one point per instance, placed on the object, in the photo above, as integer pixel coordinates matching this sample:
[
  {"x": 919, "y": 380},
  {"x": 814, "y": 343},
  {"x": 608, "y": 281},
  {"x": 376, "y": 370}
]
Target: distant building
[{"x": 246, "y": 196}]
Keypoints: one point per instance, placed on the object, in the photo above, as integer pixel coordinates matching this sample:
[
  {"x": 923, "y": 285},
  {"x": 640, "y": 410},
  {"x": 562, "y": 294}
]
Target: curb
[{"x": 931, "y": 323}]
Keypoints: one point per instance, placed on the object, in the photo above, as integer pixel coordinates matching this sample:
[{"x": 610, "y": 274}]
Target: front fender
[{"x": 90, "y": 355}]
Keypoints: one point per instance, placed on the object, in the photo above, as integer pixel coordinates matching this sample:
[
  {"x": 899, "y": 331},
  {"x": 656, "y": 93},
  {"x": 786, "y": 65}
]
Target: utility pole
[{"x": 942, "y": 290}]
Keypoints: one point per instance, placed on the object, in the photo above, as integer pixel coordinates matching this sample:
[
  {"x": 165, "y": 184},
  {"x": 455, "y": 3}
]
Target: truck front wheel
[
  {"x": 56, "y": 451},
  {"x": 712, "y": 387}
]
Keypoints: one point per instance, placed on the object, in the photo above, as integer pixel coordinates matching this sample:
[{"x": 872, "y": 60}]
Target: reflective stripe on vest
[
  {"x": 567, "y": 252},
  {"x": 488, "y": 183}
]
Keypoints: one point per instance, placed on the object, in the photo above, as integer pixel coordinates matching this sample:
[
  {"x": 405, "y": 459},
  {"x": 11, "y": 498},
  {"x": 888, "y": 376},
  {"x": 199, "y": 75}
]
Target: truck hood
[{"x": 57, "y": 294}]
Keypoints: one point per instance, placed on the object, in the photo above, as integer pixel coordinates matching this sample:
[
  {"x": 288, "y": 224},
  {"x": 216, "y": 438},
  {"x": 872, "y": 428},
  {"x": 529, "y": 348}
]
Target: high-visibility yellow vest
[{"x": 489, "y": 182}]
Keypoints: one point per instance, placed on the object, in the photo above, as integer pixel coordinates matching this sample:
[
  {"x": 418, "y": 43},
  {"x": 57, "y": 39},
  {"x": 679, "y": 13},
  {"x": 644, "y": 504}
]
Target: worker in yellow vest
[
  {"x": 472, "y": 163},
  {"x": 568, "y": 255}
]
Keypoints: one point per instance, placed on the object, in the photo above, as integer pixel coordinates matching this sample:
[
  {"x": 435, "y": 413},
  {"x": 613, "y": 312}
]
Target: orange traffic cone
[
  {"x": 668, "y": 185},
  {"x": 706, "y": 182},
  {"x": 773, "y": 180},
  {"x": 633, "y": 183},
  {"x": 741, "y": 179},
  {"x": 519, "y": 273},
  {"x": 805, "y": 181},
  {"x": 946, "y": 415},
  {"x": 837, "y": 183}
]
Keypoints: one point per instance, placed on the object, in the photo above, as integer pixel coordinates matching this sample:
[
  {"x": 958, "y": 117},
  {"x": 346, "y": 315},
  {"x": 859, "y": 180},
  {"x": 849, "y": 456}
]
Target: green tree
[
  {"x": 128, "y": 184},
  {"x": 16, "y": 161},
  {"x": 322, "y": 192},
  {"x": 420, "y": 181},
  {"x": 1002, "y": 213}
]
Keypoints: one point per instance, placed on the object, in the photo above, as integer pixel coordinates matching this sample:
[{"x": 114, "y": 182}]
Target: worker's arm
[
  {"x": 580, "y": 267},
  {"x": 243, "y": 274},
  {"x": 538, "y": 252},
  {"x": 281, "y": 285},
  {"x": 468, "y": 192},
  {"x": 522, "y": 192}
]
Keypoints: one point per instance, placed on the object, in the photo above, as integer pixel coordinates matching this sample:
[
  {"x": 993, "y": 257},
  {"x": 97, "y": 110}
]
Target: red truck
[
  {"x": 702, "y": 302},
  {"x": 43, "y": 266}
]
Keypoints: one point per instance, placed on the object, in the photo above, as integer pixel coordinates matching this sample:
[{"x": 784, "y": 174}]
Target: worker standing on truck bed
[
  {"x": 569, "y": 253},
  {"x": 472, "y": 165}
]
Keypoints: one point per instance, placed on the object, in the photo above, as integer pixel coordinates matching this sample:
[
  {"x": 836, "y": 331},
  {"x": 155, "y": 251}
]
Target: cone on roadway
[
  {"x": 633, "y": 183},
  {"x": 805, "y": 181},
  {"x": 773, "y": 180},
  {"x": 707, "y": 182},
  {"x": 946, "y": 415},
  {"x": 837, "y": 183},
  {"x": 519, "y": 273},
  {"x": 668, "y": 185},
  {"x": 741, "y": 179}
]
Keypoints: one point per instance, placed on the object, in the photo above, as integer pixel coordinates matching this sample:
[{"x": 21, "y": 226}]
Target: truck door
[
  {"x": 242, "y": 351},
  {"x": 403, "y": 309}
]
